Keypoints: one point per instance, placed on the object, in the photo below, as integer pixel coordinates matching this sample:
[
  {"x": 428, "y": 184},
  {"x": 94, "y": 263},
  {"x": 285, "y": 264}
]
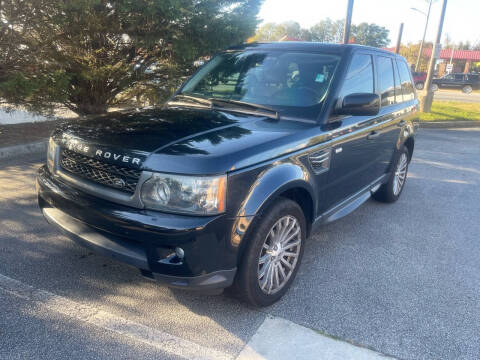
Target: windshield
[{"x": 285, "y": 81}]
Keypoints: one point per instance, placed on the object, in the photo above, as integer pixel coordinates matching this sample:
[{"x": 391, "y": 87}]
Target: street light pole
[
  {"x": 427, "y": 98},
  {"x": 348, "y": 22},
  {"x": 424, "y": 34}
]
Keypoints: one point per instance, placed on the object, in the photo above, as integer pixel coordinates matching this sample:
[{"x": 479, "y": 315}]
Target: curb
[
  {"x": 24, "y": 149},
  {"x": 449, "y": 124}
]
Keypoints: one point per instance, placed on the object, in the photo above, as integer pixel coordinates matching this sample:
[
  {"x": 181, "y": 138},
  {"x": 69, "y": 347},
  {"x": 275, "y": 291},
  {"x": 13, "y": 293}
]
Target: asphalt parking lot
[
  {"x": 401, "y": 279},
  {"x": 456, "y": 95}
]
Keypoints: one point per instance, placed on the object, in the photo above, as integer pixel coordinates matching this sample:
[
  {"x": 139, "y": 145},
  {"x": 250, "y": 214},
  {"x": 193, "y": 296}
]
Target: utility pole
[
  {"x": 348, "y": 22},
  {"x": 427, "y": 96},
  {"x": 451, "y": 54},
  {"x": 399, "y": 40},
  {"x": 424, "y": 34}
]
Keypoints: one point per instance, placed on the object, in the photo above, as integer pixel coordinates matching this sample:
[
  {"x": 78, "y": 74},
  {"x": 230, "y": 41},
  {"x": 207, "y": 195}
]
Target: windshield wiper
[
  {"x": 193, "y": 99},
  {"x": 231, "y": 105},
  {"x": 245, "y": 106}
]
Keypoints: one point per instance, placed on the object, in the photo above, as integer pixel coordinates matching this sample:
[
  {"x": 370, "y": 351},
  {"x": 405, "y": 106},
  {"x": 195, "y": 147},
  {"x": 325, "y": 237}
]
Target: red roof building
[{"x": 469, "y": 55}]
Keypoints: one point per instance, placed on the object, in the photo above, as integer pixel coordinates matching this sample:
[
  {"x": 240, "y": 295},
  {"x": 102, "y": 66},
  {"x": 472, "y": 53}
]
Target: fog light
[{"x": 179, "y": 252}]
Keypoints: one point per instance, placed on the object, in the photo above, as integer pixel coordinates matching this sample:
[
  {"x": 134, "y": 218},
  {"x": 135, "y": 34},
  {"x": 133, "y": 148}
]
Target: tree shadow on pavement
[{"x": 34, "y": 252}]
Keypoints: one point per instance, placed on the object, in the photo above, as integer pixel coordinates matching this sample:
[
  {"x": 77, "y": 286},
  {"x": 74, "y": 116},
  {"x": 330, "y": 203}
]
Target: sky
[{"x": 462, "y": 19}]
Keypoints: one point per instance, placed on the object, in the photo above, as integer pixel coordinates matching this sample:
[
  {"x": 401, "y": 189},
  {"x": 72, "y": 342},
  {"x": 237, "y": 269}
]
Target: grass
[{"x": 452, "y": 111}]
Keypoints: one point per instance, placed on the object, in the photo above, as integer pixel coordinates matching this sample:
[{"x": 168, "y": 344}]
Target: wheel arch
[
  {"x": 410, "y": 145},
  {"x": 287, "y": 180},
  {"x": 303, "y": 198}
]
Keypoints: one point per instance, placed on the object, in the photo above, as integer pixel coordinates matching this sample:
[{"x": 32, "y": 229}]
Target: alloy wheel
[
  {"x": 400, "y": 174},
  {"x": 279, "y": 254}
]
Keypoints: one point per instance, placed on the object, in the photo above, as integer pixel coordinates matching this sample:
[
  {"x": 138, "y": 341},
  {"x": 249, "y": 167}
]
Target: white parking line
[
  {"x": 280, "y": 339},
  {"x": 275, "y": 339},
  {"x": 91, "y": 315}
]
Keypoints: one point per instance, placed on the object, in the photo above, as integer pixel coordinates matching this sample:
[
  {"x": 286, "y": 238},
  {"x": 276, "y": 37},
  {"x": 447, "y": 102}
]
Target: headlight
[
  {"x": 201, "y": 195},
  {"x": 51, "y": 151}
]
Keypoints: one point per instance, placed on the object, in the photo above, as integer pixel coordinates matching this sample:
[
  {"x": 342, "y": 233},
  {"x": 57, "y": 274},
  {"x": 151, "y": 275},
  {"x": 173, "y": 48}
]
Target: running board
[
  {"x": 348, "y": 208},
  {"x": 349, "y": 205}
]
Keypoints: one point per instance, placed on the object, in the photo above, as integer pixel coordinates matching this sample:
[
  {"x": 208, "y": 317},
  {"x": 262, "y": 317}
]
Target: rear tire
[
  {"x": 434, "y": 87},
  {"x": 274, "y": 249},
  {"x": 419, "y": 85},
  {"x": 391, "y": 191}
]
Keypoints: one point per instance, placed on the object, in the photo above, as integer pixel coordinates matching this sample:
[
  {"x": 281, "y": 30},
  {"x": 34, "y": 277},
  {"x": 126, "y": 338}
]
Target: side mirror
[{"x": 360, "y": 104}]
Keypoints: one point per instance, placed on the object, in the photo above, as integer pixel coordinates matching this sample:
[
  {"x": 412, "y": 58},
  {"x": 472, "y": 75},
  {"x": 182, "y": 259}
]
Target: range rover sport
[{"x": 222, "y": 186}]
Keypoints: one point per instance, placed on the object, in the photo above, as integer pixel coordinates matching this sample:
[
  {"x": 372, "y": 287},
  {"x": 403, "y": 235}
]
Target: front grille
[{"x": 114, "y": 176}]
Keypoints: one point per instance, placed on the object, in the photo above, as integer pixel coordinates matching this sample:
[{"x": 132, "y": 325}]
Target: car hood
[{"x": 180, "y": 140}]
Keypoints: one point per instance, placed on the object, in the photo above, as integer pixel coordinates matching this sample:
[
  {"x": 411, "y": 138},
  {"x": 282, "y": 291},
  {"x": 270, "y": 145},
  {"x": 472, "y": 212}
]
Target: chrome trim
[{"x": 320, "y": 161}]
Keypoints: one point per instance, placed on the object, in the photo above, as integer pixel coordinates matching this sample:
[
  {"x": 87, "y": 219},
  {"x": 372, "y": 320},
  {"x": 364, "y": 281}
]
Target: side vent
[{"x": 320, "y": 161}]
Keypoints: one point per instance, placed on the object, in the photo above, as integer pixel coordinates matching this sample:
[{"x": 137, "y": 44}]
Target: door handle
[{"x": 373, "y": 135}]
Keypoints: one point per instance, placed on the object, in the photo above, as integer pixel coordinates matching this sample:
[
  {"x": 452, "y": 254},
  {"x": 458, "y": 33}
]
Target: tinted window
[
  {"x": 407, "y": 86},
  {"x": 359, "y": 78},
  {"x": 398, "y": 85},
  {"x": 267, "y": 78},
  {"x": 459, "y": 77},
  {"x": 386, "y": 84},
  {"x": 473, "y": 77}
]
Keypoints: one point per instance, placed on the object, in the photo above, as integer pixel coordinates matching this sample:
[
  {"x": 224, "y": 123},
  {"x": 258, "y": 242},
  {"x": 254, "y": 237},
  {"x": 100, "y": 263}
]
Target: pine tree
[{"x": 90, "y": 54}]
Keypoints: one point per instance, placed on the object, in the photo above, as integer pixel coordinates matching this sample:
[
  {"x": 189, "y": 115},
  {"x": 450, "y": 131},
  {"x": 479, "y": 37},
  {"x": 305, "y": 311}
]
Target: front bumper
[{"x": 144, "y": 239}]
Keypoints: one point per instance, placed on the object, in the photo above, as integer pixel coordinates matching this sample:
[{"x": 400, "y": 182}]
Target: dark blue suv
[{"x": 222, "y": 186}]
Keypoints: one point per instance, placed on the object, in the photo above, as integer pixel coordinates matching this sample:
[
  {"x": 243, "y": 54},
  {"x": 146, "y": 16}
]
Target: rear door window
[
  {"x": 359, "y": 78},
  {"x": 386, "y": 82},
  {"x": 406, "y": 79}
]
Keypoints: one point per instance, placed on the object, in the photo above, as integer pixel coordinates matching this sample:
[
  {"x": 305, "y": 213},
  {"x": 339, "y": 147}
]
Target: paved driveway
[{"x": 401, "y": 279}]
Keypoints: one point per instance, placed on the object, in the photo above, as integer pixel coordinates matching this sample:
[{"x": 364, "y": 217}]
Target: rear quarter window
[
  {"x": 398, "y": 84},
  {"x": 405, "y": 78},
  {"x": 473, "y": 77}
]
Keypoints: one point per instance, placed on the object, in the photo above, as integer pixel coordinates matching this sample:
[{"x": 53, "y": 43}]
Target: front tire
[
  {"x": 273, "y": 254},
  {"x": 419, "y": 85},
  {"x": 391, "y": 191},
  {"x": 467, "y": 89}
]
